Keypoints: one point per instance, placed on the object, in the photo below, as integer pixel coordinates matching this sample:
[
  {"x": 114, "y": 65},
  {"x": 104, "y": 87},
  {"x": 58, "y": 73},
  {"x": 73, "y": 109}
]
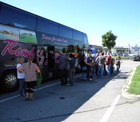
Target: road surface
[{"x": 98, "y": 100}]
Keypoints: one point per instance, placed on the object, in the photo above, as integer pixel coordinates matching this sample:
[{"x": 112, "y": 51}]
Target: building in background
[
  {"x": 95, "y": 49},
  {"x": 118, "y": 49},
  {"x": 135, "y": 50}
]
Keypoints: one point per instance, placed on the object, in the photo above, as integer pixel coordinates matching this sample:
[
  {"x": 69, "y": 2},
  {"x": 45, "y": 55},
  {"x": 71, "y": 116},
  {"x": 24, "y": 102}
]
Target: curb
[{"x": 126, "y": 87}]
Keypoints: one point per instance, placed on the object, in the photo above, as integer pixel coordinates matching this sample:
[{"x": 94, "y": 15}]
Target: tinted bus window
[
  {"x": 78, "y": 35},
  {"x": 85, "y": 39},
  {"x": 47, "y": 26},
  {"x": 7, "y": 32},
  {"x": 28, "y": 36},
  {"x": 16, "y": 17},
  {"x": 0, "y": 9},
  {"x": 65, "y": 32}
]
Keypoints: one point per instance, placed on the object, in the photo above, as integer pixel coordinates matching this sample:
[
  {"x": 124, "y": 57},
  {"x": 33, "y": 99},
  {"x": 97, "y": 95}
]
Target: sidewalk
[{"x": 125, "y": 92}]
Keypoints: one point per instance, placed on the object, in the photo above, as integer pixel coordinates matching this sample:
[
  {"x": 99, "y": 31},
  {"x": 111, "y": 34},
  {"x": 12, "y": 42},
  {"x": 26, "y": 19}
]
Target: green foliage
[
  {"x": 108, "y": 40},
  {"x": 135, "y": 85},
  {"x": 27, "y": 38},
  {"x": 121, "y": 57}
]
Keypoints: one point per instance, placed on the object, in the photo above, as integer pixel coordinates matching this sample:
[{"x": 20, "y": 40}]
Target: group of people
[
  {"x": 99, "y": 64},
  {"x": 67, "y": 69}
]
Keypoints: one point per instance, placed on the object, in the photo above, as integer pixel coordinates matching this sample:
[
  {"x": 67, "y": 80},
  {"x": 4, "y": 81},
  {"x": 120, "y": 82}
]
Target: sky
[{"x": 93, "y": 17}]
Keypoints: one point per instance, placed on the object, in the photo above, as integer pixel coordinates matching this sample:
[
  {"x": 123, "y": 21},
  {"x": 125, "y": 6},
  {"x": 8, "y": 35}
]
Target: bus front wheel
[{"x": 9, "y": 81}]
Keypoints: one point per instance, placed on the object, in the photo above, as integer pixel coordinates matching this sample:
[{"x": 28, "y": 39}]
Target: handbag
[{"x": 39, "y": 79}]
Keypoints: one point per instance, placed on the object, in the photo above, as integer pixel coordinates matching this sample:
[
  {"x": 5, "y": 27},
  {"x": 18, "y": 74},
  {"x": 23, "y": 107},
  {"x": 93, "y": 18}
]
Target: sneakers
[
  {"x": 29, "y": 99},
  {"x": 90, "y": 79}
]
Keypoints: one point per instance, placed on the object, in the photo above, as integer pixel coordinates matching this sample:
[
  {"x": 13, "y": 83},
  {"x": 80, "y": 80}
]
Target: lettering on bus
[
  {"x": 11, "y": 44},
  {"x": 53, "y": 39}
]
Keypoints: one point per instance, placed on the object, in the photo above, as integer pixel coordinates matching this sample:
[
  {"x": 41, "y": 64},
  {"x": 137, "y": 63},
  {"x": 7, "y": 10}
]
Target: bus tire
[{"x": 9, "y": 81}]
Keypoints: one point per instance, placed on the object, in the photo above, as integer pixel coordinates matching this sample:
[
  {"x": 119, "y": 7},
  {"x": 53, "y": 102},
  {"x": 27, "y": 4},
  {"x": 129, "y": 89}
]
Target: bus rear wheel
[{"x": 9, "y": 81}]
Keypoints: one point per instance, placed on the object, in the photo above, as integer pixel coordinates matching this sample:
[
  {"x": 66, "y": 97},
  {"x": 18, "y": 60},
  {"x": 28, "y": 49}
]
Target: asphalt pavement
[{"x": 98, "y": 100}]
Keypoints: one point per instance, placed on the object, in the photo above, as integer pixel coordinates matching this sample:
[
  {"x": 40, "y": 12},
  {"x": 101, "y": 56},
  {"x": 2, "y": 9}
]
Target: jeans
[
  {"x": 22, "y": 86},
  {"x": 118, "y": 66},
  {"x": 96, "y": 69},
  {"x": 63, "y": 76},
  {"x": 107, "y": 67},
  {"x": 111, "y": 68},
  {"x": 100, "y": 71},
  {"x": 71, "y": 76},
  {"x": 83, "y": 76},
  {"x": 89, "y": 72}
]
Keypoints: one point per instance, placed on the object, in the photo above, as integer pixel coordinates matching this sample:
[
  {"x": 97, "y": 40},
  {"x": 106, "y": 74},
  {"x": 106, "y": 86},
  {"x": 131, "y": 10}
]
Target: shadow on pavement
[{"x": 57, "y": 103}]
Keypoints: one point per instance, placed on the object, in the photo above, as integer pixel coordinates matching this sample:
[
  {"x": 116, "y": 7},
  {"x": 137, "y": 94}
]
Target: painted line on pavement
[
  {"x": 37, "y": 89},
  {"x": 110, "y": 109},
  {"x": 10, "y": 98}
]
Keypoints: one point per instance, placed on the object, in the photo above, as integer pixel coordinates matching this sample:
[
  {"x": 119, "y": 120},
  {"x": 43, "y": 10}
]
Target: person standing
[
  {"x": 63, "y": 63},
  {"x": 95, "y": 64},
  {"x": 83, "y": 67},
  {"x": 30, "y": 70},
  {"x": 21, "y": 78},
  {"x": 112, "y": 65},
  {"x": 117, "y": 61},
  {"x": 72, "y": 69},
  {"x": 108, "y": 65},
  {"x": 101, "y": 59},
  {"x": 89, "y": 62}
]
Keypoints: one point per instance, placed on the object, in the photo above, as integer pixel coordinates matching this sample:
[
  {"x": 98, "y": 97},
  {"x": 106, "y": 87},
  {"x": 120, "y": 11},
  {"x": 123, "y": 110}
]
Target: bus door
[
  {"x": 51, "y": 61},
  {"x": 45, "y": 60}
]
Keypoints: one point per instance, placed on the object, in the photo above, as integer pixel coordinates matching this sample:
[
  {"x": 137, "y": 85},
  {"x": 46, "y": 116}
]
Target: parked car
[
  {"x": 135, "y": 57},
  {"x": 114, "y": 54},
  {"x": 125, "y": 54}
]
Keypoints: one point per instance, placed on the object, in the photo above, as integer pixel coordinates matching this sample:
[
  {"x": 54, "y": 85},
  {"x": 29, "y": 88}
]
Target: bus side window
[{"x": 17, "y": 18}]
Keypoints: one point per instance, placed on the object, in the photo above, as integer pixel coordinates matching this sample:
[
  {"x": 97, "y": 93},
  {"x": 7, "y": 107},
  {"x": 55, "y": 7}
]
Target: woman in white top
[{"x": 21, "y": 78}]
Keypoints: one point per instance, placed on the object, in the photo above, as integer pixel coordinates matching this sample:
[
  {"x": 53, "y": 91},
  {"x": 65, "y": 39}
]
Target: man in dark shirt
[
  {"x": 72, "y": 69},
  {"x": 89, "y": 62}
]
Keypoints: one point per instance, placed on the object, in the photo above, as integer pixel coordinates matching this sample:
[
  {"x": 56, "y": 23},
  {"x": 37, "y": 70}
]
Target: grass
[
  {"x": 27, "y": 38},
  {"x": 135, "y": 85},
  {"x": 121, "y": 57},
  {"x": 127, "y": 80}
]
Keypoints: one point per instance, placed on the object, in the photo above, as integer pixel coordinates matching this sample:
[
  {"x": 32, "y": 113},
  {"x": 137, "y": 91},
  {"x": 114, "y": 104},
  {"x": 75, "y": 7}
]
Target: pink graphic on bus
[
  {"x": 53, "y": 39},
  {"x": 11, "y": 44}
]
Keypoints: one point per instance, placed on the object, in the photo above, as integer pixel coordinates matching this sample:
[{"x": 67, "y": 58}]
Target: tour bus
[{"x": 23, "y": 33}]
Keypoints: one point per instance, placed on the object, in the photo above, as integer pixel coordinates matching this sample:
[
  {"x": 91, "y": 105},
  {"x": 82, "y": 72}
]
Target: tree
[{"x": 108, "y": 40}]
